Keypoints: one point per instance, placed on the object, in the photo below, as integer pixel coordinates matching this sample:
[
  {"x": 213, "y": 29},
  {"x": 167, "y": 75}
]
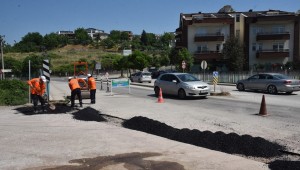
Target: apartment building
[
  {"x": 269, "y": 37},
  {"x": 96, "y": 33},
  {"x": 92, "y": 32}
]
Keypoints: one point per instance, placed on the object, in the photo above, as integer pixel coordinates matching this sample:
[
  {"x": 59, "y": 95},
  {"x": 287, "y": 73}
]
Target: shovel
[{"x": 51, "y": 105}]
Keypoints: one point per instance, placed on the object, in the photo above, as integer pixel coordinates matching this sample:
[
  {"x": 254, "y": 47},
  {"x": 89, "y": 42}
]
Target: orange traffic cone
[
  {"x": 160, "y": 97},
  {"x": 263, "y": 109}
]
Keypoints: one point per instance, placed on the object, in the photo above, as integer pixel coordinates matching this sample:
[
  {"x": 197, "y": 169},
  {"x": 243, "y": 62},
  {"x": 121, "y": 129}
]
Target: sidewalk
[
  {"x": 51, "y": 140},
  {"x": 105, "y": 139}
]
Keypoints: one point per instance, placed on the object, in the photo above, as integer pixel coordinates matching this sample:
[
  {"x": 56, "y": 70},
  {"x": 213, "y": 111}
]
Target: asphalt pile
[
  {"x": 231, "y": 143},
  {"x": 59, "y": 109},
  {"x": 283, "y": 164},
  {"x": 88, "y": 114}
]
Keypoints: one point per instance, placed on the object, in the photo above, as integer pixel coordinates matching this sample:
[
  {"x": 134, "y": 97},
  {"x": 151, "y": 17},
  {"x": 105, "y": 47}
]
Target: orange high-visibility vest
[
  {"x": 73, "y": 84},
  {"x": 92, "y": 83},
  {"x": 37, "y": 87}
]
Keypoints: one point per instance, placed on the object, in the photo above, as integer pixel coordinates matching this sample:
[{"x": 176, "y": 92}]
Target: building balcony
[
  {"x": 273, "y": 53},
  {"x": 179, "y": 45},
  {"x": 207, "y": 55},
  {"x": 178, "y": 31},
  {"x": 273, "y": 36},
  {"x": 209, "y": 37}
]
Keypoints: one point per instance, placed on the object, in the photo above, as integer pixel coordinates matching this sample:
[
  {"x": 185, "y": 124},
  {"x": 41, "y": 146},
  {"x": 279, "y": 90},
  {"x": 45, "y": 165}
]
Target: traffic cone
[
  {"x": 160, "y": 97},
  {"x": 263, "y": 109}
]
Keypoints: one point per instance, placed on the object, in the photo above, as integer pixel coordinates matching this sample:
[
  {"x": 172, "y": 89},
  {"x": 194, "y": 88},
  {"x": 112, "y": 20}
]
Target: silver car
[
  {"x": 141, "y": 77},
  {"x": 269, "y": 82},
  {"x": 181, "y": 84}
]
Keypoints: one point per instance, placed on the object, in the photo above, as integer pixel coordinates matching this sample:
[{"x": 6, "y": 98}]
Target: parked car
[
  {"x": 181, "y": 85},
  {"x": 269, "y": 82},
  {"x": 141, "y": 77}
]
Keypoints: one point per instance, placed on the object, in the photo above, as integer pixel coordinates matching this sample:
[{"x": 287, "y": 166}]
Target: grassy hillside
[{"x": 66, "y": 55}]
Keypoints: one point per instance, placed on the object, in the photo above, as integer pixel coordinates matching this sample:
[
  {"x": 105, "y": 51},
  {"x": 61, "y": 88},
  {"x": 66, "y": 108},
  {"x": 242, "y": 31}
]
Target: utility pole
[{"x": 1, "y": 41}]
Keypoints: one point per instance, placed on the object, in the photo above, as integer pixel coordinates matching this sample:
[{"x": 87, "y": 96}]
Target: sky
[{"x": 20, "y": 17}]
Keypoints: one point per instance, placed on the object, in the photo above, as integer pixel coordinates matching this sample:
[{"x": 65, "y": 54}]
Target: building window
[
  {"x": 218, "y": 46},
  {"x": 237, "y": 18},
  {"x": 260, "y": 46},
  {"x": 202, "y": 48},
  {"x": 278, "y": 46},
  {"x": 278, "y": 29},
  {"x": 254, "y": 47},
  {"x": 257, "y": 30},
  {"x": 237, "y": 33}
]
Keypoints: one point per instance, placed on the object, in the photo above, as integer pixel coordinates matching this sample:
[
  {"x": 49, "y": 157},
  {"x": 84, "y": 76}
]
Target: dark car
[
  {"x": 156, "y": 74},
  {"x": 270, "y": 82}
]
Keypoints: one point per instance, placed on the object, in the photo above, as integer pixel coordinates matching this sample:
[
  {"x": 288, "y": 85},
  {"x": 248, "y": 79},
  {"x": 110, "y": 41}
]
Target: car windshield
[
  {"x": 281, "y": 76},
  {"x": 187, "y": 77}
]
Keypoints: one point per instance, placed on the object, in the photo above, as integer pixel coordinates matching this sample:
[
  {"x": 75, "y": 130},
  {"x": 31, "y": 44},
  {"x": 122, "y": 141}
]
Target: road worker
[
  {"x": 92, "y": 88},
  {"x": 38, "y": 87},
  {"x": 75, "y": 90}
]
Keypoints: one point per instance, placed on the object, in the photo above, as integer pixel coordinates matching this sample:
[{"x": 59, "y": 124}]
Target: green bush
[{"x": 13, "y": 92}]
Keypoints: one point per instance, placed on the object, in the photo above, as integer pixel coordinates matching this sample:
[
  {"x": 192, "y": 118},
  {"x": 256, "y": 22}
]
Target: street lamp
[{"x": 1, "y": 41}]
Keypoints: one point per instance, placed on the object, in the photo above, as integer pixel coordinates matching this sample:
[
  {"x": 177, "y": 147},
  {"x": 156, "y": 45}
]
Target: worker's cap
[
  {"x": 89, "y": 75},
  {"x": 70, "y": 78},
  {"x": 43, "y": 78}
]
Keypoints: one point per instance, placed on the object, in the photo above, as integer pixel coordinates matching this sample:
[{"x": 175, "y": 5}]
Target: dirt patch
[{"x": 129, "y": 161}]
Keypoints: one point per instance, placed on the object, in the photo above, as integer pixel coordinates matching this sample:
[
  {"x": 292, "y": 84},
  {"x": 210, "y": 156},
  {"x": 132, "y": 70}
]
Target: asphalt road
[
  {"x": 237, "y": 113},
  {"x": 37, "y": 141}
]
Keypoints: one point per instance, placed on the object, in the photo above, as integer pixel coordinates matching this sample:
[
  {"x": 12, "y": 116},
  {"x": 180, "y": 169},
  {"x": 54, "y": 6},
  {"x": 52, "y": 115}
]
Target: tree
[
  {"x": 144, "y": 38},
  {"x": 108, "y": 62},
  {"x": 166, "y": 39},
  {"x": 13, "y": 64},
  {"x": 82, "y": 37},
  {"x": 51, "y": 41},
  {"x": 138, "y": 60},
  {"x": 176, "y": 57},
  {"x": 108, "y": 43},
  {"x": 164, "y": 60},
  {"x": 31, "y": 42},
  {"x": 120, "y": 63},
  {"x": 185, "y": 55},
  {"x": 36, "y": 63},
  {"x": 233, "y": 54}
]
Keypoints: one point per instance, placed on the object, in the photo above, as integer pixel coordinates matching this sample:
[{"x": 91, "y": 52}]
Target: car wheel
[
  {"x": 156, "y": 91},
  {"x": 272, "y": 89},
  {"x": 181, "y": 94},
  {"x": 241, "y": 87}
]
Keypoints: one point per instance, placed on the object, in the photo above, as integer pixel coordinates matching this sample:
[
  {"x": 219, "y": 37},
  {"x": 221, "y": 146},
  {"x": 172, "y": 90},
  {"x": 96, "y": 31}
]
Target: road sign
[
  {"x": 46, "y": 70},
  {"x": 183, "y": 64},
  {"x": 98, "y": 66},
  {"x": 215, "y": 79},
  {"x": 215, "y": 74},
  {"x": 5, "y": 70},
  {"x": 203, "y": 64}
]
